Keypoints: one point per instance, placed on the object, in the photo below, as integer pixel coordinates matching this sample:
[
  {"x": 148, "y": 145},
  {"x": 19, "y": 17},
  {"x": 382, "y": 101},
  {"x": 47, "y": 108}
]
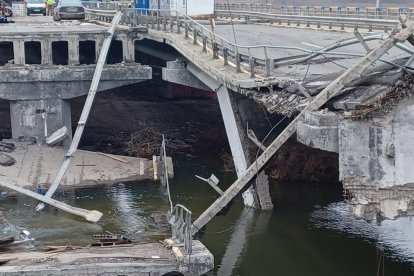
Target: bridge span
[{"x": 365, "y": 118}]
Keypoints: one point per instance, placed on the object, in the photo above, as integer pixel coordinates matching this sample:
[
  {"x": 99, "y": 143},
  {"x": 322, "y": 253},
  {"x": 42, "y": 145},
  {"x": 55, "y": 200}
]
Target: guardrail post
[
  {"x": 342, "y": 26},
  {"x": 171, "y": 24},
  {"x": 267, "y": 62},
  {"x": 178, "y": 25},
  {"x": 185, "y": 30},
  {"x": 370, "y": 28},
  {"x": 152, "y": 22},
  {"x": 330, "y": 26},
  {"x": 225, "y": 56},
  {"x": 204, "y": 37},
  {"x": 215, "y": 50},
  {"x": 164, "y": 22},
  {"x": 298, "y": 23},
  {"x": 251, "y": 64},
  {"x": 308, "y": 24},
  {"x": 158, "y": 22},
  {"x": 188, "y": 237},
  {"x": 195, "y": 36},
  {"x": 318, "y": 25},
  {"x": 238, "y": 61}
]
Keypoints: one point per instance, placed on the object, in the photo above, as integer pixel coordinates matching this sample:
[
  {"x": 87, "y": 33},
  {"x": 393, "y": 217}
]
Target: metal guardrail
[
  {"x": 390, "y": 13},
  {"x": 180, "y": 221},
  {"x": 318, "y": 21},
  {"x": 252, "y": 58}
]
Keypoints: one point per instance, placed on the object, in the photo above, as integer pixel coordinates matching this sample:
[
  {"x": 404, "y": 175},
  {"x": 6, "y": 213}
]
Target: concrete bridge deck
[{"x": 139, "y": 259}]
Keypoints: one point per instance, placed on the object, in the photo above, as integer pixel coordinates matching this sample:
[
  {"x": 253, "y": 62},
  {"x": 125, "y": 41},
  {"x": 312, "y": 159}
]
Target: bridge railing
[
  {"x": 253, "y": 59},
  {"x": 181, "y": 223},
  {"x": 390, "y": 13},
  {"x": 318, "y": 21}
]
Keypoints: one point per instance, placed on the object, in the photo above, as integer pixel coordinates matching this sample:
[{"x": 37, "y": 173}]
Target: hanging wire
[{"x": 232, "y": 23}]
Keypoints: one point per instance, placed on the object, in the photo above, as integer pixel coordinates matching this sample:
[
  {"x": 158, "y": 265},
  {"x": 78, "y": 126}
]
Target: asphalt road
[{"x": 45, "y": 24}]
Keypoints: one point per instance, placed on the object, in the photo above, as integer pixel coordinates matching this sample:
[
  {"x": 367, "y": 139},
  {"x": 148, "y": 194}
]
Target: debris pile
[
  {"x": 282, "y": 102},
  {"x": 147, "y": 143},
  {"x": 5, "y": 159},
  {"x": 381, "y": 107}
]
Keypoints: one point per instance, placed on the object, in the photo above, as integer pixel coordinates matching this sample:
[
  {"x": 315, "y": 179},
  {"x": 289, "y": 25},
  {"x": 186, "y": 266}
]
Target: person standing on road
[{"x": 50, "y": 7}]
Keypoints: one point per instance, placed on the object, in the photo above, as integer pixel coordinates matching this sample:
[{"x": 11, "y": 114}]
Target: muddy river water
[{"x": 296, "y": 239}]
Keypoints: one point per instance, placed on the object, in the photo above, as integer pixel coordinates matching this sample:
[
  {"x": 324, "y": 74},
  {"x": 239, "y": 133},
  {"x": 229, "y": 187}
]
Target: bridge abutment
[{"x": 40, "y": 118}]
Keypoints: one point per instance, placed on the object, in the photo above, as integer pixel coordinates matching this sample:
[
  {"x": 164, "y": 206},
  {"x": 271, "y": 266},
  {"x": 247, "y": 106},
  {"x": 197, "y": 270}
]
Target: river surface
[{"x": 316, "y": 238}]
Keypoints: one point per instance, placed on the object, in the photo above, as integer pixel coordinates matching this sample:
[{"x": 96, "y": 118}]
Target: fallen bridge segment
[{"x": 399, "y": 35}]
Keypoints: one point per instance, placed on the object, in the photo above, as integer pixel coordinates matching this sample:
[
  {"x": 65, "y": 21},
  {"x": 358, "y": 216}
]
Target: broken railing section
[
  {"x": 164, "y": 172},
  {"x": 180, "y": 216},
  {"x": 180, "y": 222},
  {"x": 85, "y": 112},
  {"x": 399, "y": 35}
]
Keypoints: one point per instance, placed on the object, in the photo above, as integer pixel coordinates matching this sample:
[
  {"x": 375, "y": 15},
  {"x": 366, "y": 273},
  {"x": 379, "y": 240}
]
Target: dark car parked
[{"x": 69, "y": 9}]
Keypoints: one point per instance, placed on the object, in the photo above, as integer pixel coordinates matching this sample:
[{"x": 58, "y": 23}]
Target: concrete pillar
[
  {"x": 18, "y": 49},
  {"x": 73, "y": 47},
  {"x": 235, "y": 141},
  {"x": 28, "y": 118},
  {"x": 128, "y": 49},
  {"x": 46, "y": 51},
  {"x": 98, "y": 46}
]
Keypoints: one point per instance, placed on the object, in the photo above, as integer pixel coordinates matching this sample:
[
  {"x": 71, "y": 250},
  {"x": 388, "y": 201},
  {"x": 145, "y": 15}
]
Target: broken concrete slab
[
  {"x": 57, "y": 136},
  {"x": 319, "y": 130},
  {"x": 39, "y": 164},
  {"x": 136, "y": 259}
]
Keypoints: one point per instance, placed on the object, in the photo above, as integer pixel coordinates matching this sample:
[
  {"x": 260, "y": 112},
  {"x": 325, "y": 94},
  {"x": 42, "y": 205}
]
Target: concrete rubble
[
  {"x": 39, "y": 164},
  {"x": 370, "y": 126}
]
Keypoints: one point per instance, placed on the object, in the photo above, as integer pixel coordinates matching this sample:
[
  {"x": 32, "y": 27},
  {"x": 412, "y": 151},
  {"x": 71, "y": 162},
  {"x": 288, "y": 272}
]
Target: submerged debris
[{"x": 110, "y": 239}]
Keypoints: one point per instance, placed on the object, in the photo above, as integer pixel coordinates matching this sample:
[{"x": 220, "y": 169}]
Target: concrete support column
[
  {"x": 98, "y": 46},
  {"x": 40, "y": 118},
  {"x": 18, "y": 49},
  {"x": 46, "y": 51},
  {"x": 235, "y": 141},
  {"x": 73, "y": 47},
  {"x": 128, "y": 49}
]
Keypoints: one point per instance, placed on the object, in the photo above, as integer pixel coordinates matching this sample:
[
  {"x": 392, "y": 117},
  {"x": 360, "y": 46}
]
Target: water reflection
[
  {"x": 246, "y": 225},
  {"x": 133, "y": 209},
  {"x": 297, "y": 238},
  {"x": 397, "y": 236}
]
